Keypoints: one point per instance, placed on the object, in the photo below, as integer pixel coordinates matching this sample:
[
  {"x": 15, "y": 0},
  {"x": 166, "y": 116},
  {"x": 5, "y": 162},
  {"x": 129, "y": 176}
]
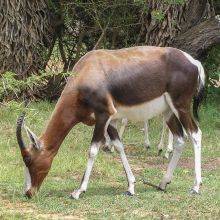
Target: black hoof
[
  {"x": 160, "y": 152},
  {"x": 147, "y": 147},
  {"x": 161, "y": 189},
  {"x": 71, "y": 197},
  {"x": 127, "y": 193},
  {"x": 193, "y": 192}
]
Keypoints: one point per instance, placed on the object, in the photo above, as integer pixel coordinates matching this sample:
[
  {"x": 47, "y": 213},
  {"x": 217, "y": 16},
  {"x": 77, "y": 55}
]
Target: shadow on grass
[{"x": 104, "y": 191}]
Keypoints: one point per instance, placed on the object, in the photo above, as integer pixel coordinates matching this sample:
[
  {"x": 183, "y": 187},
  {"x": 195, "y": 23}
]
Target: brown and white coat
[{"x": 136, "y": 83}]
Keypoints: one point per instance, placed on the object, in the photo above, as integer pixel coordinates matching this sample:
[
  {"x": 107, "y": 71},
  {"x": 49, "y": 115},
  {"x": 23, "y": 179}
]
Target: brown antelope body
[{"x": 136, "y": 83}]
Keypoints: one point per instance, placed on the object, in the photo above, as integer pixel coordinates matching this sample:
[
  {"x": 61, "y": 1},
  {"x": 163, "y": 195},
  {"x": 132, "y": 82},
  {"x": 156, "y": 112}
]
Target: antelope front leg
[
  {"x": 120, "y": 149},
  {"x": 131, "y": 179},
  {"x": 84, "y": 183},
  {"x": 97, "y": 140}
]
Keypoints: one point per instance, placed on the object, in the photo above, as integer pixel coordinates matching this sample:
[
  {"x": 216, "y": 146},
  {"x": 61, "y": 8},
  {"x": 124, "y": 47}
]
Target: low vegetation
[{"x": 104, "y": 198}]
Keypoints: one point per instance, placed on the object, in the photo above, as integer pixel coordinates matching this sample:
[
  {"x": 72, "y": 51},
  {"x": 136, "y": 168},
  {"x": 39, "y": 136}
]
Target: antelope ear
[{"x": 33, "y": 137}]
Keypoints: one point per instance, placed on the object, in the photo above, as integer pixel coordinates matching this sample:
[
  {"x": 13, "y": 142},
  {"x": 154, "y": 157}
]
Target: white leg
[
  {"x": 161, "y": 144},
  {"x": 114, "y": 123},
  {"x": 196, "y": 139},
  {"x": 131, "y": 179},
  {"x": 92, "y": 155},
  {"x": 170, "y": 145},
  {"x": 124, "y": 123},
  {"x": 108, "y": 144},
  {"x": 146, "y": 135},
  {"x": 178, "y": 148}
]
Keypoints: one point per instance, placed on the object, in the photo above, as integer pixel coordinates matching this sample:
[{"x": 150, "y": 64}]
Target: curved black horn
[{"x": 20, "y": 122}]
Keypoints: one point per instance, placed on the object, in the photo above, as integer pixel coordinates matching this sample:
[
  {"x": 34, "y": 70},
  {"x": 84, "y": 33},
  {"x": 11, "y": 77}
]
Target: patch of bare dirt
[
  {"x": 188, "y": 163},
  {"x": 140, "y": 163},
  {"x": 212, "y": 164}
]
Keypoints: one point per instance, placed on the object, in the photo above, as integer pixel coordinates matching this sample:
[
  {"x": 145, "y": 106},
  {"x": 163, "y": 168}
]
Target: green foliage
[
  {"x": 175, "y": 2},
  {"x": 212, "y": 66},
  {"x": 158, "y": 15},
  {"x": 11, "y": 87},
  {"x": 120, "y": 21}
]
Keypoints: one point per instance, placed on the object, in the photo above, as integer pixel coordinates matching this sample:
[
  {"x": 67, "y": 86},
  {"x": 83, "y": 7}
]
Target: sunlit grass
[{"x": 104, "y": 198}]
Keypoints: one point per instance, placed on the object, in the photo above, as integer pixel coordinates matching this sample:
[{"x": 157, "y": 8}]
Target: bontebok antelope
[{"x": 137, "y": 83}]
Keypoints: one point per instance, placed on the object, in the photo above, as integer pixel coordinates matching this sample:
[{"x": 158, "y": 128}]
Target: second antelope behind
[{"x": 137, "y": 83}]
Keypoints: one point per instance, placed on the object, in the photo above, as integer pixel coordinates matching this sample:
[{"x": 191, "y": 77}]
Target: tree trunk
[
  {"x": 200, "y": 38},
  {"x": 26, "y": 31},
  {"x": 190, "y": 26}
]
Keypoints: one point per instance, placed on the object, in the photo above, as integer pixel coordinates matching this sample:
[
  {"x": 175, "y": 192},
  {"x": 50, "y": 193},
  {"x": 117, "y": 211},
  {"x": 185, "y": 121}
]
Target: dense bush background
[{"x": 40, "y": 41}]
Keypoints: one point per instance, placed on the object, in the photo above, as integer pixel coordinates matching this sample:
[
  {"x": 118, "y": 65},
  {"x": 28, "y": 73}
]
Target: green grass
[{"x": 104, "y": 197}]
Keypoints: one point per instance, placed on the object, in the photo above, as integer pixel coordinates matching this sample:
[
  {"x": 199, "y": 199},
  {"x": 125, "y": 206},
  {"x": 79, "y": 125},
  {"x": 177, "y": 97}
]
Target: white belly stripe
[{"x": 144, "y": 111}]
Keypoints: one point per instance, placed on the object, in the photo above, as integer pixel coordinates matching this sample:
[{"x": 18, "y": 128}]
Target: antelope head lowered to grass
[{"x": 136, "y": 83}]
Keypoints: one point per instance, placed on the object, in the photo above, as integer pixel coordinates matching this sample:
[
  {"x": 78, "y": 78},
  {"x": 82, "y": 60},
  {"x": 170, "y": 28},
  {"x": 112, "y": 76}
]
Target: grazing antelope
[{"x": 137, "y": 83}]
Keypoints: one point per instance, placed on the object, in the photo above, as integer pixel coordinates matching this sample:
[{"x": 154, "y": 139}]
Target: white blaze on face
[{"x": 27, "y": 176}]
